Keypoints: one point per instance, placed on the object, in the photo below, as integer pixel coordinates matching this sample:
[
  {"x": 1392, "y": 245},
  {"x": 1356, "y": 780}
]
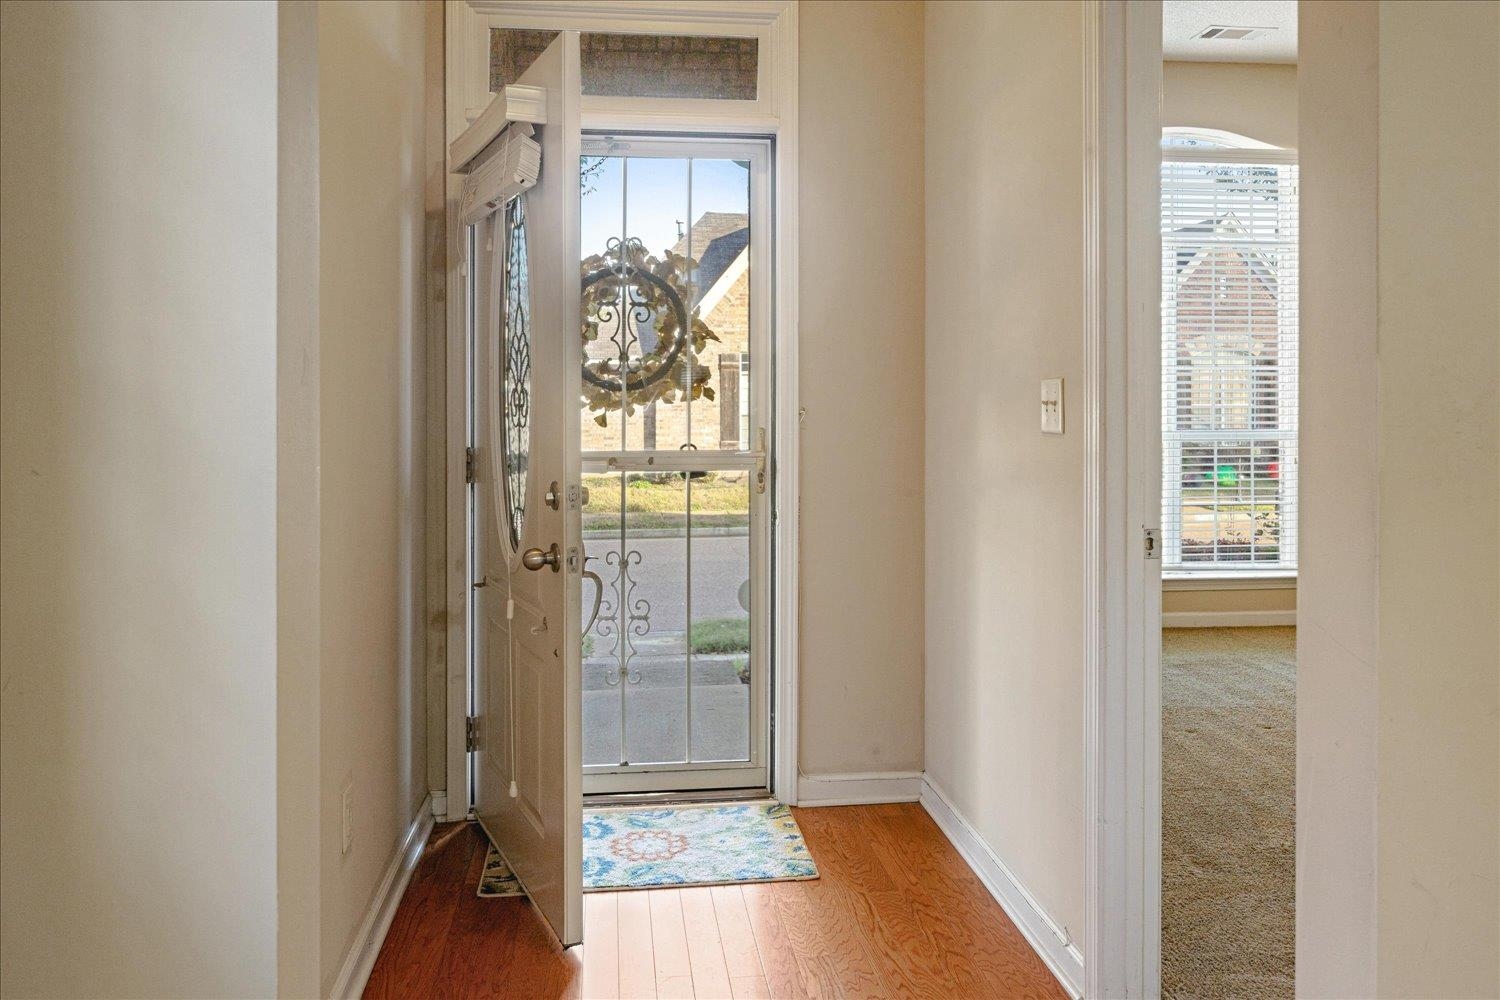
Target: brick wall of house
[
  {"x": 1245, "y": 321},
  {"x": 638, "y": 65}
]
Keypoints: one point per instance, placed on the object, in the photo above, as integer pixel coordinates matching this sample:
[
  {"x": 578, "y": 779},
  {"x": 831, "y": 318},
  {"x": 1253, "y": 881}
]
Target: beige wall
[
  {"x": 1005, "y": 512},
  {"x": 1438, "y": 837},
  {"x": 372, "y": 131},
  {"x": 1399, "y": 659},
  {"x": 299, "y": 711},
  {"x": 1337, "y": 696},
  {"x": 1258, "y": 100},
  {"x": 1280, "y": 598},
  {"x": 861, "y": 228},
  {"x": 138, "y": 387}
]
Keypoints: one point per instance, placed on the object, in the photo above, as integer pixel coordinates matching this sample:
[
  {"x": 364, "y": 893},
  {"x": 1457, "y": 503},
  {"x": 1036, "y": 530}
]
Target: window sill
[{"x": 1246, "y": 580}]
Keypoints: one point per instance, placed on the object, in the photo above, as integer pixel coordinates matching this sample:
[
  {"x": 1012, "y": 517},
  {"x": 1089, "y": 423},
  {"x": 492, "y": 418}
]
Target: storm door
[{"x": 675, "y": 407}]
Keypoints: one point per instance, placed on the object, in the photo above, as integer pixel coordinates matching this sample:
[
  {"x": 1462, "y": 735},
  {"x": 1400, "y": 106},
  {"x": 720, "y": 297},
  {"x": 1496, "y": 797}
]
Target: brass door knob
[{"x": 535, "y": 559}]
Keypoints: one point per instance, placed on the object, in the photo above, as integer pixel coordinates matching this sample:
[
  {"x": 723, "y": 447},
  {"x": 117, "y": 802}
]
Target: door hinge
[
  {"x": 468, "y": 465},
  {"x": 471, "y": 734}
]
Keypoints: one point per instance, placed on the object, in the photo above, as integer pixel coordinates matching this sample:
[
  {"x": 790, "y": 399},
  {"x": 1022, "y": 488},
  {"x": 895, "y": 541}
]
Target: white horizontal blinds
[
  {"x": 1229, "y": 359},
  {"x": 508, "y": 166}
]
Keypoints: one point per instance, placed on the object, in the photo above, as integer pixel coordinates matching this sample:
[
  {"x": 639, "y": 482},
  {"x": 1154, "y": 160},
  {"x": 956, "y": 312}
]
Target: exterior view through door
[{"x": 675, "y": 393}]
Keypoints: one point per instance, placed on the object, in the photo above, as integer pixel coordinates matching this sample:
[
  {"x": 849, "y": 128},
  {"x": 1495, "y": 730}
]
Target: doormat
[
  {"x": 637, "y": 848},
  {"x": 497, "y": 879}
]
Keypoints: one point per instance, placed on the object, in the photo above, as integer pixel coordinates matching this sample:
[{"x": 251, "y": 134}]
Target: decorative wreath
[{"x": 625, "y": 288}]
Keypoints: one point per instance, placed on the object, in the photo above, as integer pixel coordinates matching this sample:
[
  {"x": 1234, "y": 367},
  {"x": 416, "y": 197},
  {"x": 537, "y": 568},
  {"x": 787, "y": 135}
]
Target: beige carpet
[{"x": 1228, "y": 775}]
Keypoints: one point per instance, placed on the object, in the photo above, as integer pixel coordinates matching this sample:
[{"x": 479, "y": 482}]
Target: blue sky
[{"x": 649, "y": 197}]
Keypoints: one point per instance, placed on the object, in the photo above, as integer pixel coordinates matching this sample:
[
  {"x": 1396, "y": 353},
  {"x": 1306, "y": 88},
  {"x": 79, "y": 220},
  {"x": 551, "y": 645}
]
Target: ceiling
[{"x": 1184, "y": 19}]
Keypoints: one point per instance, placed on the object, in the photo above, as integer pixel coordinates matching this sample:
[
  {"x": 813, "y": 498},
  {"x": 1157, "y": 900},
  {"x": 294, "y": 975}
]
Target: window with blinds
[{"x": 1229, "y": 357}]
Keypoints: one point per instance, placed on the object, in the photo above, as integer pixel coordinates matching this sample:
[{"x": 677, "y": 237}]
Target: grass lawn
[
  {"x": 720, "y": 635},
  {"x": 717, "y": 502}
]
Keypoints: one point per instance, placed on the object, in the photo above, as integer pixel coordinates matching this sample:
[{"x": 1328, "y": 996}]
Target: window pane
[
  {"x": 1229, "y": 364},
  {"x": 672, "y": 394},
  {"x": 719, "y": 594},
  {"x": 603, "y": 644},
  {"x": 615, "y": 65},
  {"x": 636, "y": 652},
  {"x": 1232, "y": 496},
  {"x": 654, "y": 619}
]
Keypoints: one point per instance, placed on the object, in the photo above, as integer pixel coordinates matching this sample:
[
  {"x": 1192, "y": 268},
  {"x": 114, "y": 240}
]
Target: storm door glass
[{"x": 673, "y": 429}]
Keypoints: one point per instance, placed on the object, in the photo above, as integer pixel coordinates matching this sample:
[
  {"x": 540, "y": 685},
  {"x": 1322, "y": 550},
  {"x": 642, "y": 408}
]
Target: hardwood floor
[{"x": 896, "y": 913}]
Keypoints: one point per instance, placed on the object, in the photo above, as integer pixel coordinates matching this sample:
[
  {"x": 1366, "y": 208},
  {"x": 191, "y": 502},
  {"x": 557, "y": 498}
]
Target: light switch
[{"x": 1052, "y": 406}]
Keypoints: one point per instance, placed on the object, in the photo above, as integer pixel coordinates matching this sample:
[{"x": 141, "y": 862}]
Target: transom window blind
[{"x": 1229, "y": 358}]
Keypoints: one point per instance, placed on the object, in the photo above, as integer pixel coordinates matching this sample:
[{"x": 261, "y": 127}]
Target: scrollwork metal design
[
  {"x": 623, "y": 617},
  {"x": 631, "y": 287}
]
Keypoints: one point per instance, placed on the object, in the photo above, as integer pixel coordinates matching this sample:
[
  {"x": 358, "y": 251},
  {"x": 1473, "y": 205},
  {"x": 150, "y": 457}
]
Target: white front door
[{"x": 526, "y": 509}]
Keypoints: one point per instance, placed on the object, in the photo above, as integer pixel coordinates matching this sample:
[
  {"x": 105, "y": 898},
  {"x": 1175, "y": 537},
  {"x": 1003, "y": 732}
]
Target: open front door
[{"x": 524, "y": 328}]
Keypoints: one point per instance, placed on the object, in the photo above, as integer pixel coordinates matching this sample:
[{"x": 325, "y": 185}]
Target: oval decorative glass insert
[{"x": 515, "y": 375}]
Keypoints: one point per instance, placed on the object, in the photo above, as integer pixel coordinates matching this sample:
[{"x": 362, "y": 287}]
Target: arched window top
[{"x": 1176, "y": 137}]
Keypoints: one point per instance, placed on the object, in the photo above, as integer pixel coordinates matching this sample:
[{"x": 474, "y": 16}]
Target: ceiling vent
[{"x": 1230, "y": 33}]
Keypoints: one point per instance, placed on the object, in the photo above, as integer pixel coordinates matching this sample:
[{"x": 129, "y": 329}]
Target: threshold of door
[{"x": 677, "y": 798}]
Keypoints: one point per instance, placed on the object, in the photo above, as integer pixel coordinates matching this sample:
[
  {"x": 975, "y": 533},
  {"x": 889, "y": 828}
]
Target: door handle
[
  {"x": 598, "y": 582},
  {"x": 760, "y": 460},
  {"x": 535, "y": 559}
]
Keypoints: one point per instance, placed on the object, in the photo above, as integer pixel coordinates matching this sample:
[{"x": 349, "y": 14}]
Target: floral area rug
[
  {"x": 497, "y": 878},
  {"x": 634, "y": 848}
]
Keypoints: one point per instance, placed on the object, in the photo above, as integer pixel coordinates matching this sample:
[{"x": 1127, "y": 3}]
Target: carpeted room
[{"x": 1228, "y": 811}]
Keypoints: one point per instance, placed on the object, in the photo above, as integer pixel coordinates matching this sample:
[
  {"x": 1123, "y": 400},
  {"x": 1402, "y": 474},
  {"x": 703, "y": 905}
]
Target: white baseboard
[
  {"x": 1226, "y": 619},
  {"x": 859, "y": 789},
  {"x": 439, "y": 806},
  {"x": 355, "y": 971},
  {"x": 1046, "y": 935}
]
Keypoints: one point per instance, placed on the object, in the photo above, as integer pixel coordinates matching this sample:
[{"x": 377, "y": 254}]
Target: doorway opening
[
  {"x": 723, "y": 503},
  {"x": 675, "y": 435},
  {"x": 1229, "y": 500}
]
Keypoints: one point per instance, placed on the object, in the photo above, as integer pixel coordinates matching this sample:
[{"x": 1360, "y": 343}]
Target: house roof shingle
[{"x": 717, "y": 238}]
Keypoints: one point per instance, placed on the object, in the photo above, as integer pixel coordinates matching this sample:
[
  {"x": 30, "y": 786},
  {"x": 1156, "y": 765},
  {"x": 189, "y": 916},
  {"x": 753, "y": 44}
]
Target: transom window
[
  {"x": 639, "y": 65},
  {"x": 1229, "y": 353}
]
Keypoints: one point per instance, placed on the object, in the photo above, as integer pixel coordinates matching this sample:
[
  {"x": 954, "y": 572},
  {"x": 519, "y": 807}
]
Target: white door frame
[
  {"x": 774, "y": 115},
  {"x": 1122, "y": 727}
]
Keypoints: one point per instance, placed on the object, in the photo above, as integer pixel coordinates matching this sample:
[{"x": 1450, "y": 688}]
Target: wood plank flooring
[{"x": 896, "y": 913}]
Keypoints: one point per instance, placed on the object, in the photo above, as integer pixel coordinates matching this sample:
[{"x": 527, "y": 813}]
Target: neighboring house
[
  {"x": 1226, "y": 312},
  {"x": 720, "y": 243}
]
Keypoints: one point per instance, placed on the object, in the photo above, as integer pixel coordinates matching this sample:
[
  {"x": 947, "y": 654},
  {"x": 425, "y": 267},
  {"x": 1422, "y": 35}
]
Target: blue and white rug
[{"x": 634, "y": 848}]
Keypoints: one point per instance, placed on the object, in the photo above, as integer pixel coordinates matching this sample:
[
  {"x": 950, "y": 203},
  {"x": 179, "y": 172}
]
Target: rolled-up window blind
[{"x": 1229, "y": 359}]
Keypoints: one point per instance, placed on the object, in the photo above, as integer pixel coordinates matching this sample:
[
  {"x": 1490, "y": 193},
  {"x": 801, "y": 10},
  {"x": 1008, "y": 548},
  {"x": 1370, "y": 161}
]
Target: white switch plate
[{"x": 1052, "y": 406}]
